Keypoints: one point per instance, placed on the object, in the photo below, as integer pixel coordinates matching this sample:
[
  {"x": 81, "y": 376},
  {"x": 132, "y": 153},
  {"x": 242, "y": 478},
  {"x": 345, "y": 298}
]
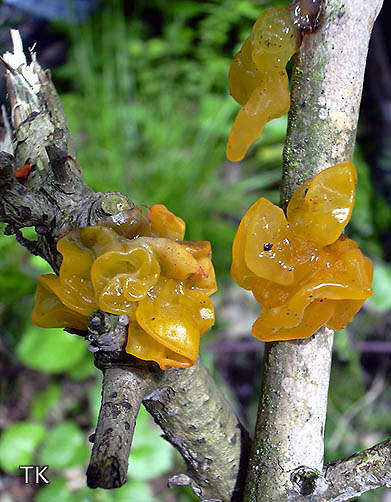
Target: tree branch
[
  {"x": 363, "y": 471},
  {"x": 54, "y": 199},
  {"x": 326, "y": 92},
  {"x": 197, "y": 420}
]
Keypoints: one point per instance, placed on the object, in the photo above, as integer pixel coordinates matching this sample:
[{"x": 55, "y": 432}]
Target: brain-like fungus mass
[
  {"x": 258, "y": 79},
  {"x": 140, "y": 266},
  {"x": 302, "y": 270}
]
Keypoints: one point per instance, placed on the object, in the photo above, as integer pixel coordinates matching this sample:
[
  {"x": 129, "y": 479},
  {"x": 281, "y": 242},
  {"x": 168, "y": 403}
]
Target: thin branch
[
  {"x": 326, "y": 92},
  {"x": 362, "y": 472}
]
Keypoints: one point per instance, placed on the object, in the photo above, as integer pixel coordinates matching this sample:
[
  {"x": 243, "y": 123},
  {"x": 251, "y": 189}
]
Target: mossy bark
[{"x": 326, "y": 92}]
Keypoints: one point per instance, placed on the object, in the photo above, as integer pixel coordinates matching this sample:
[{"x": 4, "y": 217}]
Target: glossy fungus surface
[
  {"x": 137, "y": 265},
  {"x": 301, "y": 269},
  {"x": 258, "y": 79}
]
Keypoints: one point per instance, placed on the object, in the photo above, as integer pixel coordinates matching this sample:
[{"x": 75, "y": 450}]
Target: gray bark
[
  {"x": 189, "y": 398},
  {"x": 326, "y": 93}
]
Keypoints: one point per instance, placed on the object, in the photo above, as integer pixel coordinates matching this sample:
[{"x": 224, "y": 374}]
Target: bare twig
[{"x": 363, "y": 471}]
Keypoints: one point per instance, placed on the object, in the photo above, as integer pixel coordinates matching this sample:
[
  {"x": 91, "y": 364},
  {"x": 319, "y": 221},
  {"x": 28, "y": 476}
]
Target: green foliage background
[{"x": 146, "y": 95}]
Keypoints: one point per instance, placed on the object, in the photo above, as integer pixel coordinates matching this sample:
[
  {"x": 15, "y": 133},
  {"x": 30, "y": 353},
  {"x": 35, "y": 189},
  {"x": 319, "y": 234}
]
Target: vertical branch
[
  {"x": 122, "y": 393},
  {"x": 326, "y": 92}
]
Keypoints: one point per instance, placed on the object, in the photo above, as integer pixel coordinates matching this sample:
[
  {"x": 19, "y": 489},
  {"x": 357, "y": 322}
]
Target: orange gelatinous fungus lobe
[
  {"x": 164, "y": 317},
  {"x": 268, "y": 248},
  {"x": 201, "y": 307},
  {"x": 49, "y": 308},
  {"x": 262, "y": 247},
  {"x": 322, "y": 207},
  {"x": 329, "y": 277},
  {"x": 275, "y": 39},
  {"x": 23, "y": 172},
  {"x": 243, "y": 75},
  {"x": 121, "y": 267},
  {"x": 240, "y": 272},
  {"x": 144, "y": 346},
  {"x": 204, "y": 279},
  {"x": 130, "y": 223},
  {"x": 258, "y": 79},
  {"x": 122, "y": 277},
  {"x": 175, "y": 261},
  {"x": 99, "y": 239},
  {"x": 268, "y": 101},
  {"x": 165, "y": 224},
  {"x": 315, "y": 316}
]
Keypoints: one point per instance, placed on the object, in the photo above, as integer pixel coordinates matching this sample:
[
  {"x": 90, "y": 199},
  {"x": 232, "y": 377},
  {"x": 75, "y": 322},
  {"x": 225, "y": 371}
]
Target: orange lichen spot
[
  {"x": 23, "y": 172},
  {"x": 258, "y": 79},
  {"x": 328, "y": 280},
  {"x": 123, "y": 267}
]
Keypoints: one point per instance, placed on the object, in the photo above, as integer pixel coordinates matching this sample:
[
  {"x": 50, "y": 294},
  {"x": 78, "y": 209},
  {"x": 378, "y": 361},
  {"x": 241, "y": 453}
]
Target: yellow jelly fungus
[
  {"x": 309, "y": 213},
  {"x": 124, "y": 266},
  {"x": 302, "y": 271},
  {"x": 258, "y": 79}
]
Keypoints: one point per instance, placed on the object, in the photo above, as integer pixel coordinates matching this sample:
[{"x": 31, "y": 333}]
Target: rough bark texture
[
  {"x": 193, "y": 414},
  {"x": 54, "y": 199},
  {"x": 326, "y": 92},
  {"x": 359, "y": 473},
  {"x": 216, "y": 467},
  {"x": 123, "y": 391}
]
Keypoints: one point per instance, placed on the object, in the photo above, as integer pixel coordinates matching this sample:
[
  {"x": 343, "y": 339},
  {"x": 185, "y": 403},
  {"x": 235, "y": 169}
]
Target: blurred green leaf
[
  {"x": 381, "y": 298},
  {"x": 151, "y": 455},
  {"x": 95, "y": 397},
  {"x": 50, "y": 350},
  {"x": 57, "y": 491},
  {"x": 40, "y": 264},
  {"x": 44, "y": 401},
  {"x": 134, "y": 490},
  {"x": 342, "y": 345},
  {"x": 64, "y": 447},
  {"x": 18, "y": 444},
  {"x": 84, "y": 368}
]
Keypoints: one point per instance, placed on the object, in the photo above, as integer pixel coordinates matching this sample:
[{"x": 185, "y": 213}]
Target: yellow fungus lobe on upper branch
[
  {"x": 300, "y": 268},
  {"x": 258, "y": 79},
  {"x": 139, "y": 266}
]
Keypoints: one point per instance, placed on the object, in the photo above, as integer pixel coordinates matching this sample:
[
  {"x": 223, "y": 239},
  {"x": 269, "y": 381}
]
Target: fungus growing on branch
[
  {"x": 138, "y": 266},
  {"x": 258, "y": 79},
  {"x": 301, "y": 269}
]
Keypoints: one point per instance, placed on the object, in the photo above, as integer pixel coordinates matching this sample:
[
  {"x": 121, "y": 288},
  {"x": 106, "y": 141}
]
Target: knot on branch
[
  {"x": 307, "y": 481},
  {"x": 107, "y": 332}
]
